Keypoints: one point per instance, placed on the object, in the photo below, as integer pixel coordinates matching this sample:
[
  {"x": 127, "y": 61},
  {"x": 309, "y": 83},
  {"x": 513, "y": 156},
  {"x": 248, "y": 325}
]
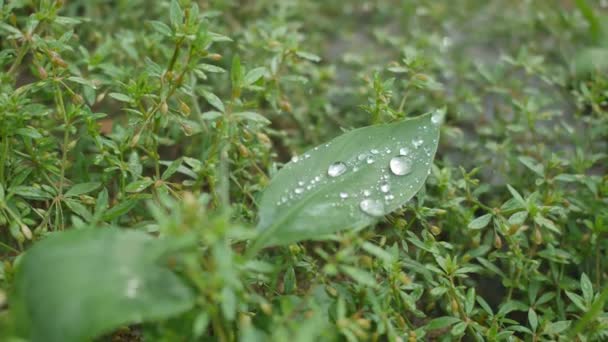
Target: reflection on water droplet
[
  {"x": 300, "y": 183},
  {"x": 370, "y": 160},
  {"x": 299, "y": 190},
  {"x": 372, "y": 207},
  {"x": 132, "y": 287},
  {"x": 437, "y": 117},
  {"x": 374, "y": 151},
  {"x": 343, "y": 195},
  {"x": 385, "y": 187},
  {"x": 389, "y": 197},
  {"x": 404, "y": 151},
  {"x": 336, "y": 169},
  {"x": 362, "y": 156},
  {"x": 417, "y": 142},
  {"x": 317, "y": 179},
  {"x": 366, "y": 193},
  {"x": 400, "y": 165},
  {"x": 295, "y": 159}
]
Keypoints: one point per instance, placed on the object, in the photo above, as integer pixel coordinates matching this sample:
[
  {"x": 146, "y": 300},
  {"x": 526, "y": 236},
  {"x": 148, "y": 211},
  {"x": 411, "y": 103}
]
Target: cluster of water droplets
[{"x": 372, "y": 200}]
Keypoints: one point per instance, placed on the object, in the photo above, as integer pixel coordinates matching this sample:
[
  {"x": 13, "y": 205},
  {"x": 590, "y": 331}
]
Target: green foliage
[{"x": 159, "y": 134}]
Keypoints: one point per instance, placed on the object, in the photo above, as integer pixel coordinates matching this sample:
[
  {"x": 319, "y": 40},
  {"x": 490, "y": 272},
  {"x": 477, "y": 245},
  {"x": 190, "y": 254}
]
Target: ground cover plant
[{"x": 276, "y": 170}]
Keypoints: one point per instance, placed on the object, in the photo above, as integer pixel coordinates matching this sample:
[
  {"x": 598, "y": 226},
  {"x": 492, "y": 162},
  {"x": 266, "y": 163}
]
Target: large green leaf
[
  {"x": 306, "y": 200},
  {"x": 76, "y": 285}
]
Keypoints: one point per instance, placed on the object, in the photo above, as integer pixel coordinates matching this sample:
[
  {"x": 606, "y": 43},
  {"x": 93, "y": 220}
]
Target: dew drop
[
  {"x": 343, "y": 195},
  {"x": 298, "y": 190},
  {"x": 295, "y": 159},
  {"x": 370, "y": 160},
  {"x": 372, "y": 207},
  {"x": 417, "y": 142},
  {"x": 301, "y": 183},
  {"x": 362, "y": 156},
  {"x": 404, "y": 151},
  {"x": 437, "y": 117},
  {"x": 336, "y": 169},
  {"x": 400, "y": 165},
  {"x": 317, "y": 179},
  {"x": 366, "y": 193},
  {"x": 385, "y": 187},
  {"x": 374, "y": 151}
]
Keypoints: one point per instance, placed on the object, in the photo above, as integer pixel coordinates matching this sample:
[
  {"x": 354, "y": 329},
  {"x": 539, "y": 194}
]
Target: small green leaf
[
  {"x": 349, "y": 182},
  {"x": 120, "y": 97},
  {"x": 213, "y": 100},
  {"x": 308, "y": 56},
  {"x": 77, "y": 285},
  {"x": 139, "y": 186},
  {"x": 29, "y": 132},
  {"x": 176, "y": 15},
  {"x": 236, "y": 73},
  {"x": 442, "y": 322},
  {"x": 251, "y": 116},
  {"x": 30, "y": 192},
  {"x": 82, "y": 188},
  {"x": 480, "y": 222},
  {"x": 586, "y": 288},
  {"x": 533, "y": 319},
  {"x": 171, "y": 169},
  {"x": 253, "y": 75}
]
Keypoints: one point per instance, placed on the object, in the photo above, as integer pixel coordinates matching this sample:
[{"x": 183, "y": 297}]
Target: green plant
[{"x": 158, "y": 135}]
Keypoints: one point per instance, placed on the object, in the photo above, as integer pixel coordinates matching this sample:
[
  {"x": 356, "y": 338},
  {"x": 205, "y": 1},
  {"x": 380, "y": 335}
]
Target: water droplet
[
  {"x": 385, "y": 187},
  {"x": 370, "y": 160},
  {"x": 336, "y": 169},
  {"x": 362, "y": 156},
  {"x": 343, "y": 195},
  {"x": 298, "y": 190},
  {"x": 389, "y": 197},
  {"x": 388, "y": 151},
  {"x": 437, "y": 117},
  {"x": 306, "y": 156},
  {"x": 372, "y": 207},
  {"x": 308, "y": 187},
  {"x": 400, "y": 165},
  {"x": 300, "y": 183},
  {"x": 417, "y": 142},
  {"x": 374, "y": 151},
  {"x": 355, "y": 169},
  {"x": 404, "y": 151},
  {"x": 295, "y": 159},
  {"x": 366, "y": 193},
  {"x": 317, "y": 179},
  {"x": 132, "y": 287}
]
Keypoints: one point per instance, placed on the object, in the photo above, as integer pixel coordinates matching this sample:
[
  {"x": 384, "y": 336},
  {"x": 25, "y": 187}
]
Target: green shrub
[{"x": 141, "y": 142}]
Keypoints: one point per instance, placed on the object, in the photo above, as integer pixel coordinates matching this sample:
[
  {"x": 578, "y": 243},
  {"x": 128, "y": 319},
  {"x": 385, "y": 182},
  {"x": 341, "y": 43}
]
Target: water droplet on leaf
[
  {"x": 400, "y": 165},
  {"x": 336, "y": 169},
  {"x": 372, "y": 207}
]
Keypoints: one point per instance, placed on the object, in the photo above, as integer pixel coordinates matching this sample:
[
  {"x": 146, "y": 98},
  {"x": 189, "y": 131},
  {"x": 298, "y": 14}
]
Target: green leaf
[
  {"x": 121, "y": 97},
  {"x": 442, "y": 322},
  {"x": 480, "y": 222},
  {"x": 30, "y": 192},
  {"x": 303, "y": 201},
  {"x": 253, "y": 75},
  {"x": 139, "y": 186},
  {"x": 533, "y": 319},
  {"x": 77, "y": 285},
  {"x": 213, "y": 100},
  {"x": 82, "y": 188},
  {"x": 236, "y": 73},
  {"x": 171, "y": 169},
  {"x": 251, "y": 116},
  {"x": 176, "y": 16},
  {"x": 29, "y": 132},
  {"x": 586, "y": 288},
  {"x": 308, "y": 56}
]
